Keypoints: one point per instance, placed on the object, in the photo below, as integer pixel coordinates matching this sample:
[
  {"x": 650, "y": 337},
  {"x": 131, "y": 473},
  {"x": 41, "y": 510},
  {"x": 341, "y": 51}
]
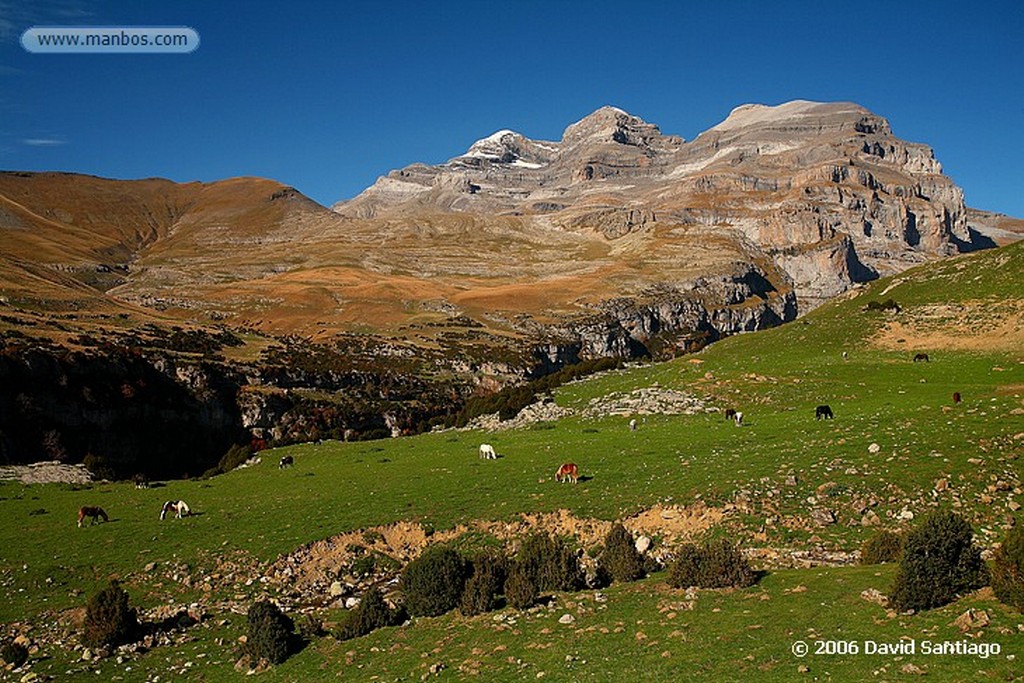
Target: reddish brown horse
[
  {"x": 94, "y": 512},
  {"x": 568, "y": 472}
]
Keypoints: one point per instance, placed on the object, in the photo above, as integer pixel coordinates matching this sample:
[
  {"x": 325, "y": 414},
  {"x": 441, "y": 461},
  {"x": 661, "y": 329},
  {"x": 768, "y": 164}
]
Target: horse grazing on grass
[
  {"x": 94, "y": 512},
  {"x": 487, "y": 452},
  {"x": 738, "y": 417},
  {"x": 956, "y": 397},
  {"x": 921, "y": 357},
  {"x": 823, "y": 412},
  {"x": 178, "y": 508},
  {"x": 568, "y": 472},
  {"x": 730, "y": 413},
  {"x": 286, "y": 461}
]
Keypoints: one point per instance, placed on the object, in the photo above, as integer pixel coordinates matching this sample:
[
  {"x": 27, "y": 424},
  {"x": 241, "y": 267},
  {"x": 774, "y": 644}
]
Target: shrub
[
  {"x": 270, "y": 633},
  {"x": 1008, "y": 569},
  {"x": 371, "y": 613},
  {"x": 885, "y": 546},
  {"x": 520, "y": 589},
  {"x": 550, "y": 564},
  {"x": 433, "y": 582},
  {"x": 938, "y": 564},
  {"x": 620, "y": 557},
  {"x": 109, "y": 621},
  {"x": 14, "y": 654},
  {"x": 715, "y": 564},
  {"x": 490, "y": 569},
  {"x": 235, "y": 456}
]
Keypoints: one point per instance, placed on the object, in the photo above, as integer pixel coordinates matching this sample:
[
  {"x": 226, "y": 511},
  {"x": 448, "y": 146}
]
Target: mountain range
[{"x": 509, "y": 261}]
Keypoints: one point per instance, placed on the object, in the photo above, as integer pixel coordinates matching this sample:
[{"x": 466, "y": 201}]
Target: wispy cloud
[
  {"x": 16, "y": 17},
  {"x": 43, "y": 142}
]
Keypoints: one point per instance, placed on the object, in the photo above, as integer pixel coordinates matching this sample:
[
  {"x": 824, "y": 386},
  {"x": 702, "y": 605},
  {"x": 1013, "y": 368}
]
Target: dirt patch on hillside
[
  {"x": 51, "y": 472},
  {"x": 319, "y": 564},
  {"x": 963, "y": 326}
]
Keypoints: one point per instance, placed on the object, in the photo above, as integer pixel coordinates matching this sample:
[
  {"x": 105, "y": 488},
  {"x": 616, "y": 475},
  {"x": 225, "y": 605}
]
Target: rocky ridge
[{"x": 824, "y": 191}]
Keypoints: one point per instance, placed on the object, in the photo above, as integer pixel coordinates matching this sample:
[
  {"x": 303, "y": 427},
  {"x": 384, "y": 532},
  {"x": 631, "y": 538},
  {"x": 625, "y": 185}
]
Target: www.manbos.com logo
[{"x": 109, "y": 39}]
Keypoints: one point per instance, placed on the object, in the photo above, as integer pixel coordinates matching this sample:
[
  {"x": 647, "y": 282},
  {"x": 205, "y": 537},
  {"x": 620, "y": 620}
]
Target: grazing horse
[
  {"x": 956, "y": 397},
  {"x": 94, "y": 512},
  {"x": 823, "y": 412},
  {"x": 178, "y": 507},
  {"x": 487, "y": 452},
  {"x": 632, "y": 425},
  {"x": 568, "y": 472},
  {"x": 739, "y": 419},
  {"x": 286, "y": 461},
  {"x": 730, "y": 413},
  {"x": 921, "y": 357}
]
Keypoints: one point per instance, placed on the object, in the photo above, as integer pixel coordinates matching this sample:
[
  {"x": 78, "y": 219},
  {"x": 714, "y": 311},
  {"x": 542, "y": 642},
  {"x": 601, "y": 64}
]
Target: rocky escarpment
[{"x": 824, "y": 190}]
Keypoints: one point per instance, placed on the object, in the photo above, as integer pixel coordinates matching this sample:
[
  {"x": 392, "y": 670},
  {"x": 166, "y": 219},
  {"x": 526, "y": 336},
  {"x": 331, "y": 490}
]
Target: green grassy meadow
[{"x": 931, "y": 453}]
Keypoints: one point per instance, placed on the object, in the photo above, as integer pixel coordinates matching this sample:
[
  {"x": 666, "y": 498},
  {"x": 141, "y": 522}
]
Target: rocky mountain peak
[
  {"x": 611, "y": 125},
  {"x": 509, "y": 147}
]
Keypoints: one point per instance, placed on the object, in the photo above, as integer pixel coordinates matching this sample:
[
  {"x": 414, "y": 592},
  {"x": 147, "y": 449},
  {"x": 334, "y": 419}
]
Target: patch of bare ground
[
  {"x": 962, "y": 326},
  {"x": 318, "y": 564}
]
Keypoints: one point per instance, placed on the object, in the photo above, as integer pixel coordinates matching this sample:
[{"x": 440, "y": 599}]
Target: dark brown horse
[{"x": 94, "y": 512}]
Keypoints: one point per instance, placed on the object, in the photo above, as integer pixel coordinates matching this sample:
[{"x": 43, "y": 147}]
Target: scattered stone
[
  {"x": 913, "y": 669},
  {"x": 567, "y": 619},
  {"x": 876, "y": 596},
  {"x": 643, "y": 543},
  {"x": 874, "y": 448},
  {"x": 823, "y": 517},
  {"x": 971, "y": 620}
]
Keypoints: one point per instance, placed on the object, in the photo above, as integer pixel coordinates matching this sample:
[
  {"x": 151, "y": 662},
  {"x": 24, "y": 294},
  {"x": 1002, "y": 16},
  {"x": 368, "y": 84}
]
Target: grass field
[{"x": 765, "y": 479}]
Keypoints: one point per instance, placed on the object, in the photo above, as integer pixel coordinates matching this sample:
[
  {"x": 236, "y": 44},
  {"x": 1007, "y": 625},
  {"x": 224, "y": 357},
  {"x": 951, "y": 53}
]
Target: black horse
[
  {"x": 823, "y": 412},
  {"x": 286, "y": 461}
]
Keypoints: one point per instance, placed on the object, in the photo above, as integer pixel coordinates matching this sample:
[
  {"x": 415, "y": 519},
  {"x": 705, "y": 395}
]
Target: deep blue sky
[{"x": 328, "y": 96}]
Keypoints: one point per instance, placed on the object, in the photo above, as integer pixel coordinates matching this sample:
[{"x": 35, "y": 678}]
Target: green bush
[
  {"x": 433, "y": 582},
  {"x": 270, "y": 633},
  {"x": 235, "y": 456},
  {"x": 715, "y": 564},
  {"x": 490, "y": 569},
  {"x": 14, "y": 654},
  {"x": 520, "y": 589},
  {"x": 109, "y": 621},
  {"x": 550, "y": 564},
  {"x": 885, "y": 546},
  {"x": 938, "y": 564},
  {"x": 371, "y": 613},
  {"x": 620, "y": 557},
  {"x": 1008, "y": 569}
]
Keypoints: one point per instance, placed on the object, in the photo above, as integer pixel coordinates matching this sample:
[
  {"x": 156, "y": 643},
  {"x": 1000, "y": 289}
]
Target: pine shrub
[
  {"x": 433, "y": 582},
  {"x": 520, "y": 589},
  {"x": 550, "y": 564},
  {"x": 715, "y": 564},
  {"x": 270, "y": 633},
  {"x": 109, "y": 621},
  {"x": 371, "y": 613},
  {"x": 620, "y": 558},
  {"x": 885, "y": 546},
  {"x": 1008, "y": 569},
  {"x": 490, "y": 569},
  {"x": 14, "y": 654},
  {"x": 938, "y": 564}
]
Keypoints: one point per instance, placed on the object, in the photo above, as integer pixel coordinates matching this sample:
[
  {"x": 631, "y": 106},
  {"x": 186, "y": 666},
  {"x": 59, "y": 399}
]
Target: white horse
[
  {"x": 632, "y": 425},
  {"x": 739, "y": 419},
  {"x": 179, "y": 507},
  {"x": 487, "y": 452}
]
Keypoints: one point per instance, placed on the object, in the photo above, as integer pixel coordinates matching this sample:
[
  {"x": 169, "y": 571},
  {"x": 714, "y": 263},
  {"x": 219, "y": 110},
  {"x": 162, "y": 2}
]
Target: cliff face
[{"x": 826, "y": 191}]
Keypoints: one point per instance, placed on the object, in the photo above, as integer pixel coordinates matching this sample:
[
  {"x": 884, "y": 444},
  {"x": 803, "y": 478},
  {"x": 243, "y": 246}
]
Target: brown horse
[
  {"x": 568, "y": 472},
  {"x": 94, "y": 512}
]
